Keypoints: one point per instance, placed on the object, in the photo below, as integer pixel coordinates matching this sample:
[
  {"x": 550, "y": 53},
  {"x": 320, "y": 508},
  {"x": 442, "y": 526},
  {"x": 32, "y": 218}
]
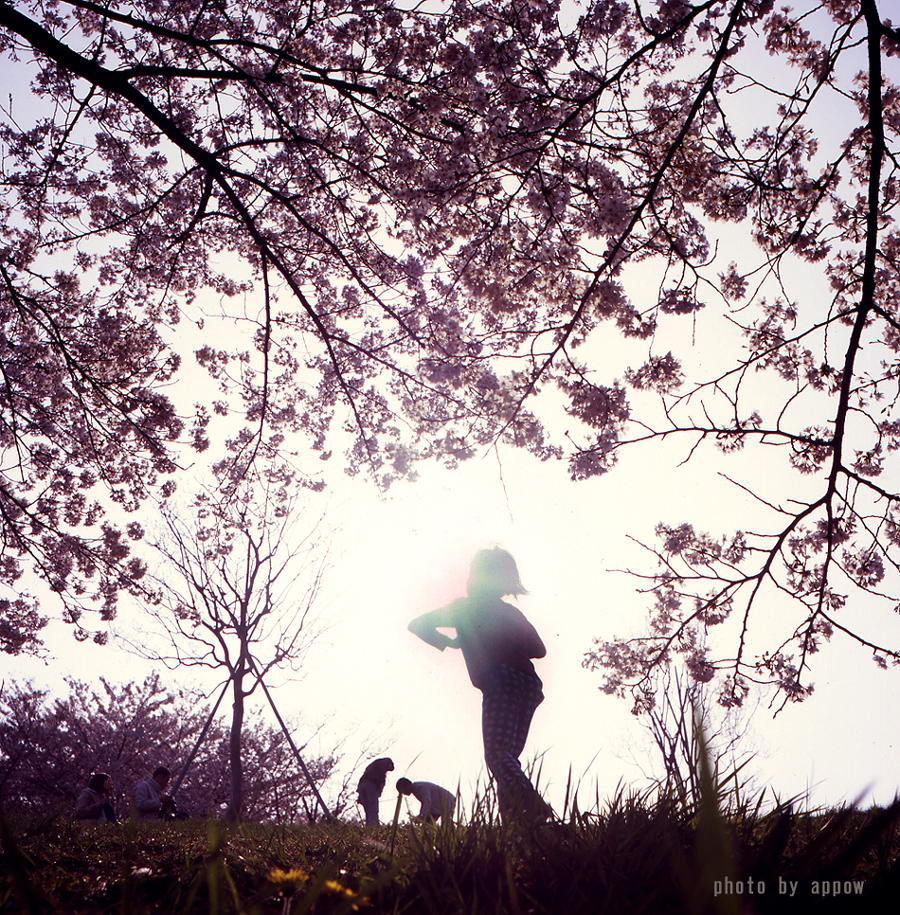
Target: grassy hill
[{"x": 636, "y": 853}]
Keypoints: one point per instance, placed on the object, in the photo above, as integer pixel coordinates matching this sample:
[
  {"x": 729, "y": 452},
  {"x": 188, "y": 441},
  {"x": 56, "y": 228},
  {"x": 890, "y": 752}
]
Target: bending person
[
  {"x": 435, "y": 801},
  {"x": 371, "y": 784}
]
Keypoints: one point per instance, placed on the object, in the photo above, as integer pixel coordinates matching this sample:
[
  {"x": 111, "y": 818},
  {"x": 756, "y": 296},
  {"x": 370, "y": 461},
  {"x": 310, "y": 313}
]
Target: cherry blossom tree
[
  {"x": 50, "y": 747},
  {"x": 447, "y": 228},
  {"x": 815, "y": 377}
]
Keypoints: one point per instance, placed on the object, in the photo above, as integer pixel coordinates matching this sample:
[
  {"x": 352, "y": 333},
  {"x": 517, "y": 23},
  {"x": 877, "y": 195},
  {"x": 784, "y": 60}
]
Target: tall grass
[{"x": 721, "y": 851}]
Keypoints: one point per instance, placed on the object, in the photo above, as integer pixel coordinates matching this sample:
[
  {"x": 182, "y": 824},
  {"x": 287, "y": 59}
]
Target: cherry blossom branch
[{"x": 638, "y": 211}]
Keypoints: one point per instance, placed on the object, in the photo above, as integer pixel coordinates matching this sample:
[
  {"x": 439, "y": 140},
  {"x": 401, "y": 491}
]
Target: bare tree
[
  {"x": 684, "y": 722},
  {"x": 235, "y": 592}
]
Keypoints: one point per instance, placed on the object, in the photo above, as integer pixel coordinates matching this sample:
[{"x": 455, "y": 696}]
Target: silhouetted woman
[{"x": 497, "y": 644}]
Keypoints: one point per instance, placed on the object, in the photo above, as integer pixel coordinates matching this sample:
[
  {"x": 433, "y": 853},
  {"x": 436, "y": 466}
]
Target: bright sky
[
  {"x": 398, "y": 557},
  {"x": 407, "y": 553},
  {"x": 412, "y": 555}
]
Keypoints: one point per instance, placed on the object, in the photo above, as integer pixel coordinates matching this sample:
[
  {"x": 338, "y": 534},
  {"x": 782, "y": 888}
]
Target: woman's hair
[
  {"x": 98, "y": 782},
  {"x": 495, "y": 571}
]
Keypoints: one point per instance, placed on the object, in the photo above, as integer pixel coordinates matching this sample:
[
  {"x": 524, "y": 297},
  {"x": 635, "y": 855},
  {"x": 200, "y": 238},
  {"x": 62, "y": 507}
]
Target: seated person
[
  {"x": 150, "y": 798},
  {"x": 94, "y": 802}
]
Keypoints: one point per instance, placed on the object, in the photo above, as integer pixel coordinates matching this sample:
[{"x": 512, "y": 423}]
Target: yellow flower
[
  {"x": 287, "y": 882},
  {"x": 336, "y": 889}
]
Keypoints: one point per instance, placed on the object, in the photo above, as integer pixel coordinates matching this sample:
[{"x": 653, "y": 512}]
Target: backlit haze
[{"x": 375, "y": 685}]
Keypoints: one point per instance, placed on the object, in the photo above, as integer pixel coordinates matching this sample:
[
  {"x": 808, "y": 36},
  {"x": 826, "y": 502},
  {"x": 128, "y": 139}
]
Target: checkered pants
[{"x": 509, "y": 698}]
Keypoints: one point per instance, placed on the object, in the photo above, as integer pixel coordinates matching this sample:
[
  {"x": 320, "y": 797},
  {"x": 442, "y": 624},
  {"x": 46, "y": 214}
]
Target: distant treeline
[{"x": 51, "y": 745}]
